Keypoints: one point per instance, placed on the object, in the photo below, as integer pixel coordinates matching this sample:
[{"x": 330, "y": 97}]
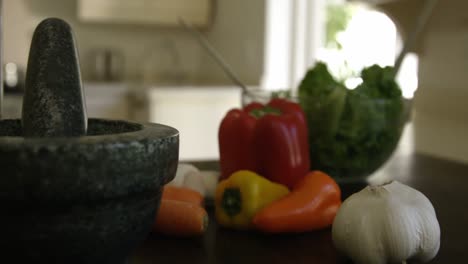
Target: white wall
[
  {"x": 196, "y": 112},
  {"x": 441, "y": 102},
  {"x": 237, "y": 33}
]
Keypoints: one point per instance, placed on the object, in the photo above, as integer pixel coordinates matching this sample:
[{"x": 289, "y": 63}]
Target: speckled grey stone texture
[
  {"x": 88, "y": 168},
  {"x": 91, "y": 198},
  {"x": 98, "y": 233},
  {"x": 53, "y": 99}
]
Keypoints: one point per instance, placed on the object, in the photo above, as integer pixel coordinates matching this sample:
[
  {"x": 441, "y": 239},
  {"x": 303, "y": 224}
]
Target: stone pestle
[{"x": 53, "y": 100}]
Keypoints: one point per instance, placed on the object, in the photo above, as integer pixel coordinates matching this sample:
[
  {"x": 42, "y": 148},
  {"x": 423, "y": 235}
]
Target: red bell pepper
[{"x": 270, "y": 140}]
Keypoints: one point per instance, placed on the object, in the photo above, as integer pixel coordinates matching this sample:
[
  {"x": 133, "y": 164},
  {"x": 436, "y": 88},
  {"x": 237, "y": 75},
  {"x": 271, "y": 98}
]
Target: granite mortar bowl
[{"x": 87, "y": 199}]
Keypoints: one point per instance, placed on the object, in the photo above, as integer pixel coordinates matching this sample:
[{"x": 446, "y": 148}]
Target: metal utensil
[
  {"x": 214, "y": 54},
  {"x": 421, "y": 22}
]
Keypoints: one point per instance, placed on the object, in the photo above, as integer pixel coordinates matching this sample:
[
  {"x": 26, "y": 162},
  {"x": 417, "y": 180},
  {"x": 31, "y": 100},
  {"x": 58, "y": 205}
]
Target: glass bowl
[{"x": 351, "y": 138}]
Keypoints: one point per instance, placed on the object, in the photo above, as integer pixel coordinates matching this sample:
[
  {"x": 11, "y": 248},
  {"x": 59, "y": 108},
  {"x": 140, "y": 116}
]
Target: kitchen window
[{"x": 347, "y": 36}]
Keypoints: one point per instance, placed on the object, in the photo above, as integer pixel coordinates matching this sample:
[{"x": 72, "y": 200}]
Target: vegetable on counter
[
  {"x": 176, "y": 218},
  {"x": 351, "y": 132},
  {"x": 311, "y": 205},
  {"x": 182, "y": 194},
  {"x": 270, "y": 140},
  {"x": 242, "y": 195},
  {"x": 181, "y": 212},
  {"x": 210, "y": 179},
  {"x": 189, "y": 176},
  {"x": 391, "y": 223}
]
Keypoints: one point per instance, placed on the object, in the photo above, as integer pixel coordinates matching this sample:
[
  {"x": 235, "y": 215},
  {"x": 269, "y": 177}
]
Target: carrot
[
  {"x": 312, "y": 205},
  {"x": 180, "y": 219},
  {"x": 182, "y": 194}
]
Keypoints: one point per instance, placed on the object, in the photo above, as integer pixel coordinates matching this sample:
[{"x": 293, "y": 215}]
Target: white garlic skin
[
  {"x": 387, "y": 224},
  {"x": 183, "y": 169}
]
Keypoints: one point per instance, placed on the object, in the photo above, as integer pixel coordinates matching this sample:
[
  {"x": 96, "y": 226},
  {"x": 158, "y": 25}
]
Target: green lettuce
[{"x": 351, "y": 132}]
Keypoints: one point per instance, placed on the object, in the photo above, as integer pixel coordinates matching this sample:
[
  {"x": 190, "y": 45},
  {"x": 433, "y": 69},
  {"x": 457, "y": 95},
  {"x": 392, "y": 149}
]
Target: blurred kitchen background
[{"x": 138, "y": 63}]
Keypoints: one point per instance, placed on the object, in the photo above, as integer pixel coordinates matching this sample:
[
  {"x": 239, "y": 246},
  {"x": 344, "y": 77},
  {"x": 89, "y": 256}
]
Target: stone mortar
[
  {"x": 73, "y": 189},
  {"x": 88, "y": 199}
]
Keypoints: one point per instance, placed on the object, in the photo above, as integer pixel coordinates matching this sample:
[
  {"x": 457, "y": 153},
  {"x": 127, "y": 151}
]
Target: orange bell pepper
[{"x": 312, "y": 205}]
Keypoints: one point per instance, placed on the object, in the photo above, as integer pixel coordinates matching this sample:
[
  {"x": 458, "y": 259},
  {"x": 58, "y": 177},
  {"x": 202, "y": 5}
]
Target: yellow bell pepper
[{"x": 239, "y": 197}]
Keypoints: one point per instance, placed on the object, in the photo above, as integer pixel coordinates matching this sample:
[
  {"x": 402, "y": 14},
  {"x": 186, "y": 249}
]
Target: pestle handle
[{"x": 53, "y": 104}]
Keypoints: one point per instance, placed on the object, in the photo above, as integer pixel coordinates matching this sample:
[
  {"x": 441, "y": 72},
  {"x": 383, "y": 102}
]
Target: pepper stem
[
  {"x": 257, "y": 113},
  {"x": 232, "y": 201}
]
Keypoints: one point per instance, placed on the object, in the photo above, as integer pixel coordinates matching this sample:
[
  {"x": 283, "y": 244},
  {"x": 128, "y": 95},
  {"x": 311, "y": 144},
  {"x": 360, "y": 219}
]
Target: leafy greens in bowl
[{"x": 352, "y": 132}]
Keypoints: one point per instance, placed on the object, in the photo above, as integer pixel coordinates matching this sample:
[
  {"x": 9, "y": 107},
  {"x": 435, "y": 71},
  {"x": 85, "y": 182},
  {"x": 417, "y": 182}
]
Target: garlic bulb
[
  {"x": 211, "y": 179},
  {"x": 387, "y": 224},
  {"x": 191, "y": 177},
  {"x": 183, "y": 170}
]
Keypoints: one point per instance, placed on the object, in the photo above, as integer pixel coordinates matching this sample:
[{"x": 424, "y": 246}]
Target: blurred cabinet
[
  {"x": 158, "y": 12},
  {"x": 107, "y": 100},
  {"x": 196, "y": 111},
  {"x": 104, "y": 100}
]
